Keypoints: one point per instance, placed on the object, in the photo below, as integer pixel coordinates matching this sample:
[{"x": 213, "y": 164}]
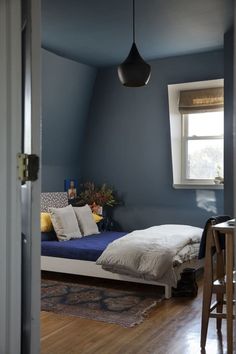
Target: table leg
[{"x": 229, "y": 290}]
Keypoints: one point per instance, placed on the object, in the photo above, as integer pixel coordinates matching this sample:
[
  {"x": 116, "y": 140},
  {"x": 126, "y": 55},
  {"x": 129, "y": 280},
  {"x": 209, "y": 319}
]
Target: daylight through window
[{"x": 202, "y": 146}]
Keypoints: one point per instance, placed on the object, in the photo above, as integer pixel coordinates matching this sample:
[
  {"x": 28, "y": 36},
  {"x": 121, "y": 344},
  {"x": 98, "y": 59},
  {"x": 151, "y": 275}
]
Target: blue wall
[
  {"x": 66, "y": 92},
  {"x": 128, "y": 144}
]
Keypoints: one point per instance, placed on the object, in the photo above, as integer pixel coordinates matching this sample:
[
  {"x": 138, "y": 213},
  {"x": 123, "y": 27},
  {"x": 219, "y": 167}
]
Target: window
[
  {"x": 197, "y": 133},
  {"x": 202, "y": 146}
]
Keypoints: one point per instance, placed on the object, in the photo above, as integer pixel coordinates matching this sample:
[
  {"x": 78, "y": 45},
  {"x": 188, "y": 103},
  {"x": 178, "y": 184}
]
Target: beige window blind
[{"x": 203, "y": 100}]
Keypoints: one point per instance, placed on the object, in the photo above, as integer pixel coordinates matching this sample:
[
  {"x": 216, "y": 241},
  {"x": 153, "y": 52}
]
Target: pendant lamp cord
[{"x": 133, "y": 21}]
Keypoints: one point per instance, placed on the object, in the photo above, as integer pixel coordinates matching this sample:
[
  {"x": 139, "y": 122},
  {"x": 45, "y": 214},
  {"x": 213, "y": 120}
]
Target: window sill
[{"x": 198, "y": 186}]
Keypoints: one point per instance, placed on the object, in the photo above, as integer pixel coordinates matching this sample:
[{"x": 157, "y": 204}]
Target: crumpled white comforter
[{"x": 150, "y": 253}]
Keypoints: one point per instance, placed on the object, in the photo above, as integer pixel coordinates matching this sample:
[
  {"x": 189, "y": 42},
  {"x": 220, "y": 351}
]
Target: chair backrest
[
  {"x": 211, "y": 221},
  {"x": 53, "y": 200}
]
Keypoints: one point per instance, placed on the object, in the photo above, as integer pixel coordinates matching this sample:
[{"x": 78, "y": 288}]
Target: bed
[{"x": 79, "y": 256}]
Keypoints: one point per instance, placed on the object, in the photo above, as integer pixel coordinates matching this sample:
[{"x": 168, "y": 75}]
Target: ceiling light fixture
[{"x": 134, "y": 71}]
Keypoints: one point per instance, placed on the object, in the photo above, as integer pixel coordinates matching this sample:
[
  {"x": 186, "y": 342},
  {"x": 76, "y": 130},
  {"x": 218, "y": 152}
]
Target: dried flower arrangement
[{"x": 97, "y": 195}]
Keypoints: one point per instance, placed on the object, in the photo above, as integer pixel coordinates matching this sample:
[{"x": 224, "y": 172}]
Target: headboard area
[{"x": 53, "y": 200}]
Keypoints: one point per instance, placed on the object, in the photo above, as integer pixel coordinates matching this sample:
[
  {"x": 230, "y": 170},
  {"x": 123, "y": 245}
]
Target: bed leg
[{"x": 167, "y": 292}]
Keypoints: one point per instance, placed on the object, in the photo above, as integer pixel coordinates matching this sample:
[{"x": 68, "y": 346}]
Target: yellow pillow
[
  {"x": 46, "y": 223},
  {"x": 97, "y": 217}
]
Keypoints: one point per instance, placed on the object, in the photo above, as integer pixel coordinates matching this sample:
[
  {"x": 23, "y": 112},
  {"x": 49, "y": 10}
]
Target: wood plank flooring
[{"x": 173, "y": 327}]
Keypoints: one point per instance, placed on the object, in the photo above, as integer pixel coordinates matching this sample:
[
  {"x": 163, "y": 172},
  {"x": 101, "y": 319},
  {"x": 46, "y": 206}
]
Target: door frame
[{"x": 10, "y": 206}]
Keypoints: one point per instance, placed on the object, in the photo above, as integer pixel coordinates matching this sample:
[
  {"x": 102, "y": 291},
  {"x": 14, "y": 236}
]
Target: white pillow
[
  {"x": 86, "y": 220},
  {"x": 65, "y": 223}
]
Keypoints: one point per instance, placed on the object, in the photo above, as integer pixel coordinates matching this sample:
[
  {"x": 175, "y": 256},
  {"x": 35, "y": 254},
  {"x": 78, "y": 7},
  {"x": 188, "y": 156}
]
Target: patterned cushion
[{"x": 53, "y": 200}]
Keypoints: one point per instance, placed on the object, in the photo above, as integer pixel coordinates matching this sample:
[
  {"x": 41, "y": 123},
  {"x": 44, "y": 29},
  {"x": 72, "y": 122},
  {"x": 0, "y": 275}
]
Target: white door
[
  {"x": 31, "y": 89},
  {"x": 19, "y": 281}
]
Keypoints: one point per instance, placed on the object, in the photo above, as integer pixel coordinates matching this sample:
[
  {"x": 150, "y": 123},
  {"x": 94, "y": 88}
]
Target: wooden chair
[{"x": 214, "y": 283}]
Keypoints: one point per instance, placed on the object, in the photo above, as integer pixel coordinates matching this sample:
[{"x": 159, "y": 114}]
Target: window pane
[
  {"x": 205, "y": 159},
  {"x": 206, "y": 124}
]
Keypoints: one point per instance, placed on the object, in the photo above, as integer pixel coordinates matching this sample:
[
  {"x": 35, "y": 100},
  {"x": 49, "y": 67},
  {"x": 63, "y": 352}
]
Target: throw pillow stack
[{"x": 69, "y": 222}]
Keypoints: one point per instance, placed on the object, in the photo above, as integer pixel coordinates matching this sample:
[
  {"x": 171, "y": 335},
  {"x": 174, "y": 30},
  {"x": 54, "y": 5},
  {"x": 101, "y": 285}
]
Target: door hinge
[{"x": 28, "y": 167}]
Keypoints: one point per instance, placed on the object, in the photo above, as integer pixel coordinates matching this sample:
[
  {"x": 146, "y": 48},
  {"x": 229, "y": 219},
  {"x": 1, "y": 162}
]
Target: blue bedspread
[{"x": 87, "y": 248}]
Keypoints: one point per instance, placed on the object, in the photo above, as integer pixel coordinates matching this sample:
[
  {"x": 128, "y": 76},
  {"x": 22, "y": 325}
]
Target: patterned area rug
[{"x": 124, "y": 307}]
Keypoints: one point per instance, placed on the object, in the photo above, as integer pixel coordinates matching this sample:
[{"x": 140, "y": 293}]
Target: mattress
[
  {"x": 87, "y": 248},
  {"x": 90, "y": 248}
]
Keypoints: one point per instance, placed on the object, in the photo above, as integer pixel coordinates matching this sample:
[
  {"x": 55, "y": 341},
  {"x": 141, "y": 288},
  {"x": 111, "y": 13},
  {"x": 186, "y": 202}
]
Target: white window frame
[
  {"x": 184, "y": 151},
  {"x": 176, "y": 134}
]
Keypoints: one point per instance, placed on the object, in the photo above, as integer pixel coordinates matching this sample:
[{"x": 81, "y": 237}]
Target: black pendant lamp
[{"x": 134, "y": 71}]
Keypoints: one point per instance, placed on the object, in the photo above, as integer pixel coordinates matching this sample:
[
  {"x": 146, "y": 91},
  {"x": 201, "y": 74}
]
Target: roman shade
[{"x": 201, "y": 100}]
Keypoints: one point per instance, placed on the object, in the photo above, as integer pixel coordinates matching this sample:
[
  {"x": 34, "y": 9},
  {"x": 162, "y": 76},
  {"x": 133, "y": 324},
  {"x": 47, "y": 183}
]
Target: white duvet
[{"x": 150, "y": 253}]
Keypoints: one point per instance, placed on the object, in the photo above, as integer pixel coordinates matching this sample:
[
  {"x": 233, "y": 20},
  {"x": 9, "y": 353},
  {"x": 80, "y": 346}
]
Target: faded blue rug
[{"x": 124, "y": 307}]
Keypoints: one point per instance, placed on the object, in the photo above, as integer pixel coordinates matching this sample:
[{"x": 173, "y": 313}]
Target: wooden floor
[{"x": 173, "y": 327}]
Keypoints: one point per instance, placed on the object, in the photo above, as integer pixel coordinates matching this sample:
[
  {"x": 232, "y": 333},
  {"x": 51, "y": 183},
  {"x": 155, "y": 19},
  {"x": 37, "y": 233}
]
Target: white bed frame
[{"x": 91, "y": 269}]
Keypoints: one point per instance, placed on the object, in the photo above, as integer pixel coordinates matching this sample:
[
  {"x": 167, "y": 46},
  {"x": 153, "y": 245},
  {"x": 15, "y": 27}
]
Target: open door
[
  {"x": 19, "y": 265},
  {"x": 30, "y": 190}
]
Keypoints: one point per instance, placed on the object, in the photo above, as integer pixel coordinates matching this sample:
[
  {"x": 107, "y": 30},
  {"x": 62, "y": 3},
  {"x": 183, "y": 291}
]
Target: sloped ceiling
[{"x": 99, "y": 32}]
